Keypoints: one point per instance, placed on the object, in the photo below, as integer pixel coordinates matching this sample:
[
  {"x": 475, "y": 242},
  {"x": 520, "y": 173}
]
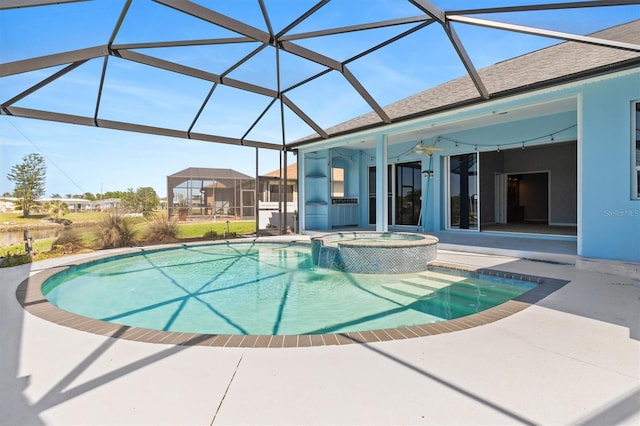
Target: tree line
[{"x": 29, "y": 178}]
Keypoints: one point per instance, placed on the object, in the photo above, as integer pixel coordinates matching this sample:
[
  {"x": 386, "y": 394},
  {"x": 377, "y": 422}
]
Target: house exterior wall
[
  {"x": 610, "y": 225},
  {"x": 596, "y": 161}
]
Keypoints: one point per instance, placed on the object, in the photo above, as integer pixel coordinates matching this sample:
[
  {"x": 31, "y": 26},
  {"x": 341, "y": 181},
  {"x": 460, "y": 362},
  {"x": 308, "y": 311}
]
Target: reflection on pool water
[{"x": 263, "y": 288}]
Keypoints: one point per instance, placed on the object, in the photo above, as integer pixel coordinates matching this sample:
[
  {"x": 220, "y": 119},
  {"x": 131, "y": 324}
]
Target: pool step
[
  {"x": 458, "y": 293},
  {"x": 441, "y": 278},
  {"x": 407, "y": 293},
  {"x": 472, "y": 293},
  {"x": 494, "y": 283},
  {"x": 431, "y": 282},
  {"x": 452, "y": 301},
  {"x": 444, "y": 307}
]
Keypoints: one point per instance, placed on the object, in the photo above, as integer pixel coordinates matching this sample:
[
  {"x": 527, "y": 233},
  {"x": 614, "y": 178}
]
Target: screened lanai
[
  {"x": 211, "y": 194},
  {"x": 264, "y": 73},
  {"x": 268, "y": 74}
]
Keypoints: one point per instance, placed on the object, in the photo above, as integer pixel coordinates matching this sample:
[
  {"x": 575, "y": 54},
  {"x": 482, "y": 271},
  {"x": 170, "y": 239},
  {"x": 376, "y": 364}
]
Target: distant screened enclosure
[{"x": 211, "y": 194}]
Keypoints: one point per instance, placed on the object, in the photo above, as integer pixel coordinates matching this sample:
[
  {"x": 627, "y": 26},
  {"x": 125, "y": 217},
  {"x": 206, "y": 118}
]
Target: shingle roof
[
  {"x": 292, "y": 172},
  {"x": 209, "y": 173},
  {"x": 544, "y": 67}
]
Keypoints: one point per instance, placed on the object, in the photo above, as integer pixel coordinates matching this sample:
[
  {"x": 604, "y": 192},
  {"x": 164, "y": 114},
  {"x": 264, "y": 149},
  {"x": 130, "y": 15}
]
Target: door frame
[
  {"x": 390, "y": 195},
  {"x": 447, "y": 193}
]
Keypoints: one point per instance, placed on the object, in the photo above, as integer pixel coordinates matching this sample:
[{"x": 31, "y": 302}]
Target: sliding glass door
[
  {"x": 404, "y": 191},
  {"x": 372, "y": 195},
  {"x": 463, "y": 191},
  {"x": 408, "y": 193}
]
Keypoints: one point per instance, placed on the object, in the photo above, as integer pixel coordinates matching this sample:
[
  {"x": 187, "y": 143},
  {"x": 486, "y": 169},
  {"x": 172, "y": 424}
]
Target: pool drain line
[{"x": 226, "y": 390}]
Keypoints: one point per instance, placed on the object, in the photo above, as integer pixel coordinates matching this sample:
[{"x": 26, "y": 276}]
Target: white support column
[
  {"x": 302, "y": 182},
  {"x": 580, "y": 171},
  {"x": 257, "y": 194},
  {"x": 382, "y": 218}
]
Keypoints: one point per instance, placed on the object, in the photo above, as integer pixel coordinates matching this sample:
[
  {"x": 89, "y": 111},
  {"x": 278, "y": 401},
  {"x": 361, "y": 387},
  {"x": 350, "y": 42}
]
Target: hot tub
[{"x": 368, "y": 252}]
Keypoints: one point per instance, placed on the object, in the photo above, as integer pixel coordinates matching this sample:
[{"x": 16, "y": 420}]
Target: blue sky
[{"x": 85, "y": 159}]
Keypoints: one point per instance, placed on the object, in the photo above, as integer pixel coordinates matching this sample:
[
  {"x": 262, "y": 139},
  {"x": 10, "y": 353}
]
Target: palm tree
[{"x": 56, "y": 208}]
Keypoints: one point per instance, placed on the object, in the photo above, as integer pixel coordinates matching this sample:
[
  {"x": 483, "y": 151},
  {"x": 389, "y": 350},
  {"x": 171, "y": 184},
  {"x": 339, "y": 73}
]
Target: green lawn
[
  {"x": 10, "y": 218},
  {"x": 38, "y": 246},
  {"x": 196, "y": 230},
  {"x": 186, "y": 230}
]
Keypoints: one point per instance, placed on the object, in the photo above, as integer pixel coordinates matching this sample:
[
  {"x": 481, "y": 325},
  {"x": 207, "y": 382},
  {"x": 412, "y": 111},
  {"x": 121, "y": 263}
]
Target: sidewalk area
[{"x": 572, "y": 358}]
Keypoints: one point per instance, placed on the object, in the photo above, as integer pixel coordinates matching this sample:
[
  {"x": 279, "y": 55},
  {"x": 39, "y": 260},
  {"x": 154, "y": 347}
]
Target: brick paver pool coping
[{"x": 29, "y": 294}]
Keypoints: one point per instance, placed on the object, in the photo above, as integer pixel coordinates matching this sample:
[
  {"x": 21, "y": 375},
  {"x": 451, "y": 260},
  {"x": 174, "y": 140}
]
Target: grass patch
[
  {"x": 15, "y": 254},
  {"x": 75, "y": 218},
  {"x": 11, "y": 218},
  {"x": 16, "y": 217},
  {"x": 38, "y": 246},
  {"x": 199, "y": 230},
  {"x": 86, "y": 238}
]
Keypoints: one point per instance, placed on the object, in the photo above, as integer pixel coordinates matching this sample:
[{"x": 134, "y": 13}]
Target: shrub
[
  {"x": 162, "y": 229},
  {"x": 211, "y": 234},
  {"x": 67, "y": 236},
  {"x": 216, "y": 236},
  {"x": 14, "y": 260},
  {"x": 68, "y": 242},
  {"x": 114, "y": 231}
]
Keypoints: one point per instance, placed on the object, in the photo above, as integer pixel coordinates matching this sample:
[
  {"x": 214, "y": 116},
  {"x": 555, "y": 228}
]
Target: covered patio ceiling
[{"x": 261, "y": 73}]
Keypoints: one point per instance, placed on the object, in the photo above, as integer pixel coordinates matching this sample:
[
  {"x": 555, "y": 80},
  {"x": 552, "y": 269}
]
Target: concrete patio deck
[{"x": 572, "y": 358}]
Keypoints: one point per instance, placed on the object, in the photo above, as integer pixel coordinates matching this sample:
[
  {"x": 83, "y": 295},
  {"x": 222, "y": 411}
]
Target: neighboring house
[
  {"x": 555, "y": 149},
  {"x": 106, "y": 204},
  {"x": 7, "y": 204},
  {"x": 75, "y": 205},
  {"x": 210, "y": 193},
  {"x": 270, "y": 185},
  {"x": 271, "y": 207}
]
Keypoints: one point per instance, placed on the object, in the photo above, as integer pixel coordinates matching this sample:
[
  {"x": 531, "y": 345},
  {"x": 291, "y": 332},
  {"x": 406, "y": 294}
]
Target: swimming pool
[{"x": 263, "y": 289}]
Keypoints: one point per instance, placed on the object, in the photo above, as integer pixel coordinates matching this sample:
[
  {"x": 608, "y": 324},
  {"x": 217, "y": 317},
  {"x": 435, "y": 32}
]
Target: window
[
  {"x": 635, "y": 172},
  {"x": 274, "y": 193},
  {"x": 337, "y": 182}
]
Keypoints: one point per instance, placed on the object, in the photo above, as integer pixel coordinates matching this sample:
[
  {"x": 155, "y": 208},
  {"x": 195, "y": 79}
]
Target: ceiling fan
[{"x": 427, "y": 149}]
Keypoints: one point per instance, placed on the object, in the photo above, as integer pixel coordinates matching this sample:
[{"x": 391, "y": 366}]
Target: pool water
[
  {"x": 263, "y": 288},
  {"x": 377, "y": 237}
]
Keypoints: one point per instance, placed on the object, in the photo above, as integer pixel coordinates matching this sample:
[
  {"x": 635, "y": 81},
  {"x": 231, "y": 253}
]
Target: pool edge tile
[
  {"x": 262, "y": 341},
  {"x": 29, "y": 295},
  {"x": 248, "y": 341},
  {"x": 276, "y": 342}
]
